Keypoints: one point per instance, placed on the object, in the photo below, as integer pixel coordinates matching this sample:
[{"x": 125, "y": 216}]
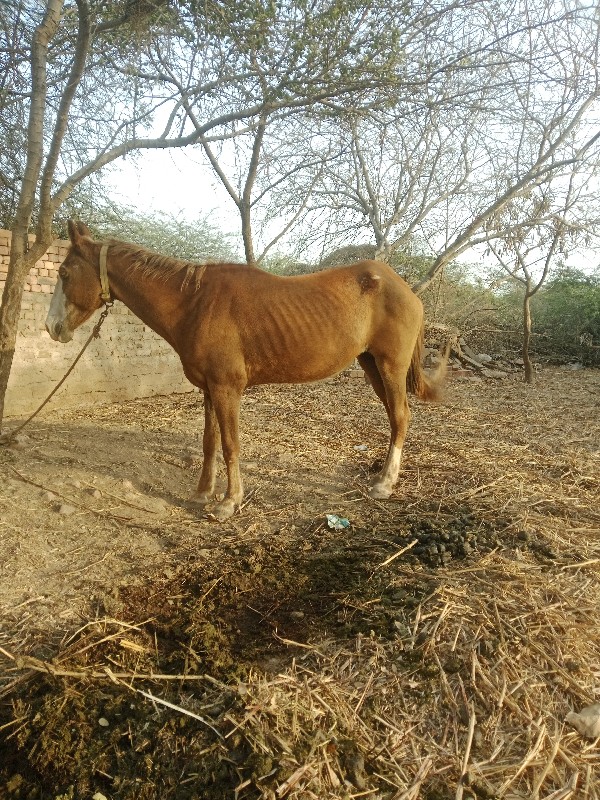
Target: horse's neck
[{"x": 158, "y": 303}]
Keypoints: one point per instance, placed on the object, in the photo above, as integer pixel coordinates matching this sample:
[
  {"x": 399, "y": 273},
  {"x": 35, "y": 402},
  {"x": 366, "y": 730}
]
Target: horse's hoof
[
  {"x": 379, "y": 492},
  {"x": 199, "y": 498},
  {"x": 223, "y": 510}
]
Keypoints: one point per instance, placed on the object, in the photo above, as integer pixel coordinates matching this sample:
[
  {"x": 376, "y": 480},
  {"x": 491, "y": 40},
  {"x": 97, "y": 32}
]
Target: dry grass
[
  {"x": 506, "y": 658},
  {"x": 467, "y": 698}
]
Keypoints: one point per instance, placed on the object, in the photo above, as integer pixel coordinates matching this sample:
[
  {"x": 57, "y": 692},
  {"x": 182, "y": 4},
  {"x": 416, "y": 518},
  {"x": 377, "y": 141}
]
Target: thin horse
[{"x": 235, "y": 326}]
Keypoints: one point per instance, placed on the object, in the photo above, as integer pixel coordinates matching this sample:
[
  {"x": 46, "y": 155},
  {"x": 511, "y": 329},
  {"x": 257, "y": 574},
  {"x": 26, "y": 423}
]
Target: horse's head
[{"x": 78, "y": 289}]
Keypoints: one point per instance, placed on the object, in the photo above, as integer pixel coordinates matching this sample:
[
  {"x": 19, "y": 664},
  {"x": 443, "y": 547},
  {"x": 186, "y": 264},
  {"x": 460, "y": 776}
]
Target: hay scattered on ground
[{"x": 434, "y": 653}]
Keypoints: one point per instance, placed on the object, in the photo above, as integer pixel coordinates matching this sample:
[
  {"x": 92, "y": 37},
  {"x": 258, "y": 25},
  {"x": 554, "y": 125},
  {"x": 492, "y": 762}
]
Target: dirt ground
[{"x": 96, "y": 538}]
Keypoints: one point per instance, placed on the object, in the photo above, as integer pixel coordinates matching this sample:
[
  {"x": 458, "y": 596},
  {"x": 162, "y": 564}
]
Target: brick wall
[{"x": 128, "y": 360}]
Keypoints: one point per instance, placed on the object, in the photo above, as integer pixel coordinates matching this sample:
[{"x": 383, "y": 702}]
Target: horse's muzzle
[{"x": 56, "y": 331}]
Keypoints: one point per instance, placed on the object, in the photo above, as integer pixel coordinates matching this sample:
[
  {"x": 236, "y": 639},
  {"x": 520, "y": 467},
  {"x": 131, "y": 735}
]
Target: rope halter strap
[{"x": 105, "y": 293}]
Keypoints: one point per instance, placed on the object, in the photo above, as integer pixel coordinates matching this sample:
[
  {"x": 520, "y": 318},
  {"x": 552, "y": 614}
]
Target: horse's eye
[{"x": 62, "y": 273}]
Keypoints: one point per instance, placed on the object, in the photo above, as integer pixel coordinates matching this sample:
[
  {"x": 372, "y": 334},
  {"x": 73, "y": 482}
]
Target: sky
[
  {"x": 179, "y": 182},
  {"x": 175, "y": 181}
]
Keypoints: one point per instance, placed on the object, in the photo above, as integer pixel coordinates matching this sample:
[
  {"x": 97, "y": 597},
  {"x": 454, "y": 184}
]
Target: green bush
[{"x": 566, "y": 318}]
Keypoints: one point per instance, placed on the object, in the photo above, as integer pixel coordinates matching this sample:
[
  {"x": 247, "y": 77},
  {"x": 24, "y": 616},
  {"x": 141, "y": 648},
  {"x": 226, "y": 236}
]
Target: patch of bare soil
[{"x": 431, "y": 650}]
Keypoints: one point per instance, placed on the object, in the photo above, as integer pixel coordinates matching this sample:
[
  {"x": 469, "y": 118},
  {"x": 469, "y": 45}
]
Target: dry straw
[{"x": 468, "y": 698}]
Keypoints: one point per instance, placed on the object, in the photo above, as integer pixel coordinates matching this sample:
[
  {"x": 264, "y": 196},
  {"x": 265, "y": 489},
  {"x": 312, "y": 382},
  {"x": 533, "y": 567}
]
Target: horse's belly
[{"x": 302, "y": 364}]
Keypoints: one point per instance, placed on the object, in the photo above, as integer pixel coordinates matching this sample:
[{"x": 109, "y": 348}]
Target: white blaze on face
[{"x": 57, "y": 315}]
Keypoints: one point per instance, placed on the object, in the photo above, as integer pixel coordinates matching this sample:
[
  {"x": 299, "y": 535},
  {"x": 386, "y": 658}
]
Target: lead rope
[
  {"x": 105, "y": 293},
  {"x": 7, "y": 438}
]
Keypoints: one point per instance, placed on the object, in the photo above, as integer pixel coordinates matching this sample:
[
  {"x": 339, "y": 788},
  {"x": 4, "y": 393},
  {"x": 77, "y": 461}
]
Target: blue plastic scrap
[{"x": 337, "y": 523}]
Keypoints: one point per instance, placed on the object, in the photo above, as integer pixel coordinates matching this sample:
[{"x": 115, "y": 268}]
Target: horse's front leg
[
  {"x": 227, "y": 401},
  {"x": 206, "y": 483}
]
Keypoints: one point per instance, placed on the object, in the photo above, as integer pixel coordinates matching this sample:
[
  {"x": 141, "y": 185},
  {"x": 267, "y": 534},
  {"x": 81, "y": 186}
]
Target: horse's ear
[
  {"x": 72, "y": 227},
  {"x": 78, "y": 231},
  {"x": 83, "y": 229},
  {"x": 81, "y": 239}
]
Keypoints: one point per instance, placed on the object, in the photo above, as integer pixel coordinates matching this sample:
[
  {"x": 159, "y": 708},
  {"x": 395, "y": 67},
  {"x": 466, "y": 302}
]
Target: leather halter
[{"x": 105, "y": 293}]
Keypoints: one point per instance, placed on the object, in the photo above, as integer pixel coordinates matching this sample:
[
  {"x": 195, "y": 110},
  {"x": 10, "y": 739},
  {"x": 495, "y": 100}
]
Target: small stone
[
  {"x": 297, "y": 614},
  {"x": 493, "y": 373},
  {"x": 191, "y": 456},
  {"x": 103, "y": 722},
  {"x": 20, "y": 442},
  {"x": 586, "y": 722},
  {"x": 457, "y": 372},
  {"x": 76, "y": 483},
  {"x": 49, "y": 496},
  {"x": 126, "y": 484},
  {"x": 66, "y": 509},
  {"x": 96, "y": 493}
]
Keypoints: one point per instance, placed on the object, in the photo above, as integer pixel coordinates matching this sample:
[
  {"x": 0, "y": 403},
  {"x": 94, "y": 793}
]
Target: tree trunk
[
  {"x": 247, "y": 233},
  {"x": 382, "y": 252},
  {"x": 527, "y": 336},
  {"x": 21, "y": 257},
  {"x": 245, "y": 201},
  {"x": 21, "y": 260},
  {"x": 9, "y": 317}
]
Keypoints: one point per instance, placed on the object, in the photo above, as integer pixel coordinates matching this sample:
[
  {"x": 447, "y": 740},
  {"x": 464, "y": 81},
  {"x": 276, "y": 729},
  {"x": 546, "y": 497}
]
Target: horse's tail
[{"x": 417, "y": 381}]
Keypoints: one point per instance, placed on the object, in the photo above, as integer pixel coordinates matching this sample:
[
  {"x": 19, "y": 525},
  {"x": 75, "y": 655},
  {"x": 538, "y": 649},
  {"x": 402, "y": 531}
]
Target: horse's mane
[{"x": 148, "y": 264}]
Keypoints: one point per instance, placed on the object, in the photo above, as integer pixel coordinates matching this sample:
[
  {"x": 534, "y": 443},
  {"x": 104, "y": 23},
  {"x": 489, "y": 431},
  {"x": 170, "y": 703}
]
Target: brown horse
[{"x": 235, "y": 326}]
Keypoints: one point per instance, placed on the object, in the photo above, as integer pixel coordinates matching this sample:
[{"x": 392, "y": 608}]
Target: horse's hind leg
[
  {"x": 392, "y": 378},
  {"x": 206, "y": 483},
  {"x": 367, "y": 362}
]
